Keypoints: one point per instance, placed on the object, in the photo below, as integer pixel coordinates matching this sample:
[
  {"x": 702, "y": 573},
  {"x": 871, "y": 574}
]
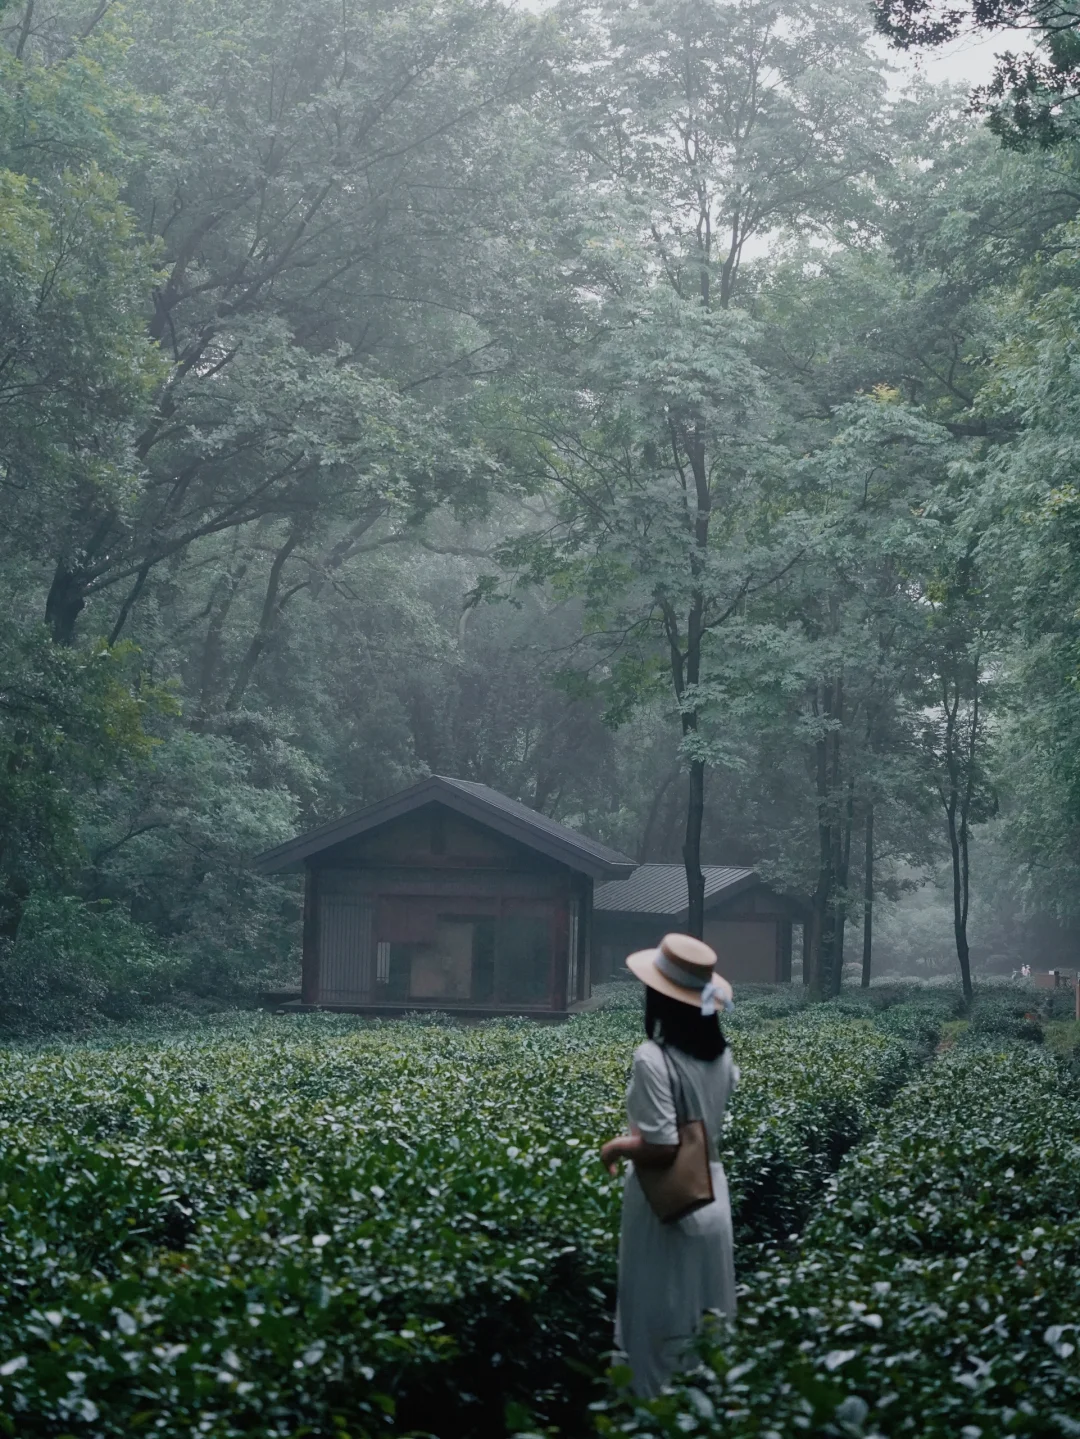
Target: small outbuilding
[
  {"x": 449, "y": 896},
  {"x": 747, "y": 922}
]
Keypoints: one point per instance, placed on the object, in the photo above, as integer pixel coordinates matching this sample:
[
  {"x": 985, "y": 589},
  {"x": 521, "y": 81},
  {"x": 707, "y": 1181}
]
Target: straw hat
[{"x": 683, "y": 969}]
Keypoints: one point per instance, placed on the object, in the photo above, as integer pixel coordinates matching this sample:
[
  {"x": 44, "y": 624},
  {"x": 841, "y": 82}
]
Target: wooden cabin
[
  {"x": 447, "y": 896},
  {"x": 747, "y": 922}
]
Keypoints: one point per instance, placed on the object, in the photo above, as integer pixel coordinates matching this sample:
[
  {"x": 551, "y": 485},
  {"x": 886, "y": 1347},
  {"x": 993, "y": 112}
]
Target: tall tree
[
  {"x": 702, "y": 128},
  {"x": 288, "y": 163},
  {"x": 1025, "y": 506},
  {"x": 956, "y": 730}
]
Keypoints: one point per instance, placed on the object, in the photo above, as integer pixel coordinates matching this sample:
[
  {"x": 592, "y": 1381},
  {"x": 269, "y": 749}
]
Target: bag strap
[{"x": 678, "y": 1093}]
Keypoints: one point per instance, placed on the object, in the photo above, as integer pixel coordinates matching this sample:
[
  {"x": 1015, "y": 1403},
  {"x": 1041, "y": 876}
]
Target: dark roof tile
[{"x": 661, "y": 889}]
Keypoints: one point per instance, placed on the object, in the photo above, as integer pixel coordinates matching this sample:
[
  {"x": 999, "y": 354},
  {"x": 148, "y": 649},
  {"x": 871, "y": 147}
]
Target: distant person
[{"x": 672, "y": 1270}]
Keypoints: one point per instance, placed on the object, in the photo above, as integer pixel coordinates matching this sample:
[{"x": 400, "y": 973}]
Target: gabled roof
[
  {"x": 476, "y": 802},
  {"x": 660, "y": 889}
]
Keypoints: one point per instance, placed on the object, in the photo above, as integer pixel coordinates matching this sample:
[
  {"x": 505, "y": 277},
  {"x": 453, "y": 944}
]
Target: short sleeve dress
[{"x": 670, "y": 1274}]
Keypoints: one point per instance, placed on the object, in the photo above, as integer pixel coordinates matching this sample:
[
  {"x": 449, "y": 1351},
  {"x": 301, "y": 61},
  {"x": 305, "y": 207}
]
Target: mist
[{"x": 663, "y": 414}]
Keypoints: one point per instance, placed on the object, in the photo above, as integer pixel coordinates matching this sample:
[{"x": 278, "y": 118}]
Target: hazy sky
[{"x": 968, "y": 61}]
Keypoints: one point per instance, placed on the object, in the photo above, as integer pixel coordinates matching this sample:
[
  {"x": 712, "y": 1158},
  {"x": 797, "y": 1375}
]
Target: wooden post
[
  {"x": 784, "y": 958},
  {"x": 309, "y": 982},
  {"x": 560, "y": 953},
  {"x": 868, "y": 899},
  {"x": 585, "y": 938}
]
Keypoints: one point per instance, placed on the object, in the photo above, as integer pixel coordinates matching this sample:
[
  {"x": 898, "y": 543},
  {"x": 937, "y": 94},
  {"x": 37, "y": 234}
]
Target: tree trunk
[
  {"x": 271, "y": 611},
  {"x": 821, "y": 939},
  {"x": 827, "y": 939},
  {"x": 965, "y": 812},
  {"x": 957, "y": 797},
  {"x": 695, "y": 880},
  {"x": 842, "y": 871},
  {"x": 695, "y": 630},
  {"x": 822, "y": 927},
  {"x": 65, "y": 603},
  {"x": 129, "y": 601},
  {"x": 24, "y": 29},
  {"x": 226, "y": 590},
  {"x": 868, "y": 898},
  {"x": 959, "y": 847},
  {"x": 12, "y": 903},
  {"x": 72, "y": 579},
  {"x": 674, "y": 811},
  {"x": 653, "y": 816}
]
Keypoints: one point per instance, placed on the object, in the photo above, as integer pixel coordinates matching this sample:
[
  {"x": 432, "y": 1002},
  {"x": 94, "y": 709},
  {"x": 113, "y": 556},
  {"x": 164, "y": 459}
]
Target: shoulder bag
[{"x": 685, "y": 1184}]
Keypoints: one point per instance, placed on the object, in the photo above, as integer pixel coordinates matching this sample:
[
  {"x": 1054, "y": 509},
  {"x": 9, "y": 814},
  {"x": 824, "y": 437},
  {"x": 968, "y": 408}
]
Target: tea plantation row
[
  {"x": 936, "y": 1291},
  {"x": 318, "y": 1227}
]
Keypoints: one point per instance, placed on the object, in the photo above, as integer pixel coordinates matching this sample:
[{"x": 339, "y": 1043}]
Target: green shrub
[
  {"x": 1063, "y": 1037},
  {"x": 920, "y": 1021},
  {"x": 74, "y": 963},
  {"x": 935, "y": 1292},
  {"x": 811, "y": 1097},
  {"x": 256, "y": 1228},
  {"x": 1058, "y": 1004},
  {"x": 1005, "y": 1014}
]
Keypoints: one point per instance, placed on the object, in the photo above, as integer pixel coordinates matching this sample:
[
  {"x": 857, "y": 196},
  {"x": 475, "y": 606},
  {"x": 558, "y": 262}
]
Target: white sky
[{"x": 968, "y": 61}]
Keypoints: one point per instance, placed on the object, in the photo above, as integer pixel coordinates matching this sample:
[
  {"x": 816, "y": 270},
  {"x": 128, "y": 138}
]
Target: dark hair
[{"x": 683, "y": 1026}]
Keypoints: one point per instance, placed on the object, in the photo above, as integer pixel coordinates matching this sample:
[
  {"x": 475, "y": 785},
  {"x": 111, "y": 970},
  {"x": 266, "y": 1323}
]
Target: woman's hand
[
  {"x": 640, "y": 1151},
  {"x": 612, "y": 1152}
]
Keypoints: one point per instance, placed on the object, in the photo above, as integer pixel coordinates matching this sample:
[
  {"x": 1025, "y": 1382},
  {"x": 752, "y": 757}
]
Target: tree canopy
[{"x": 646, "y": 409}]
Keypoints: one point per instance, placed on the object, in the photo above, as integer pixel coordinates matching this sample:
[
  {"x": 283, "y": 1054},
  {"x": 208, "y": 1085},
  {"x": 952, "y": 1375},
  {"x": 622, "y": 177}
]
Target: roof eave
[
  {"x": 730, "y": 891},
  {"x": 294, "y": 854},
  {"x": 636, "y": 916},
  {"x": 507, "y": 824}
]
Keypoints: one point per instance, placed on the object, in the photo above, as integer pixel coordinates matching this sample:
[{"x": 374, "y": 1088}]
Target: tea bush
[
  {"x": 820, "y": 1077},
  {"x": 935, "y": 1292},
  {"x": 1006, "y": 1015},
  {"x": 314, "y": 1225}
]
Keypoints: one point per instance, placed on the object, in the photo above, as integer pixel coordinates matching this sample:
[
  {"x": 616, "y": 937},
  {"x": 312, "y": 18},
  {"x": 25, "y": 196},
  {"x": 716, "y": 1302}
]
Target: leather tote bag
[{"x": 686, "y": 1183}]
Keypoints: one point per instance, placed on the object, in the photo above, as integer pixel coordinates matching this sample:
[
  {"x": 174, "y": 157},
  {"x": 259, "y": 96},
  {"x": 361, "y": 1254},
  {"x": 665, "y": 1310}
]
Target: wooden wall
[
  {"x": 434, "y": 911},
  {"x": 747, "y": 950},
  {"x": 751, "y": 935}
]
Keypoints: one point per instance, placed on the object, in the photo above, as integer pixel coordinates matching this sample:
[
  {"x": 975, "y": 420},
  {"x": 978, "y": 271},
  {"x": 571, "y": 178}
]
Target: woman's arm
[{"x": 643, "y": 1154}]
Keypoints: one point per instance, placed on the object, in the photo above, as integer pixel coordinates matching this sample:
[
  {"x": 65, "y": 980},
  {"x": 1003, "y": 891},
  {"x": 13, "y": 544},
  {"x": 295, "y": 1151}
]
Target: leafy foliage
[
  {"x": 933, "y": 1293},
  {"x": 68, "y": 718},
  {"x": 384, "y": 1227},
  {"x": 1032, "y": 96},
  {"x": 73, "y": 962}
]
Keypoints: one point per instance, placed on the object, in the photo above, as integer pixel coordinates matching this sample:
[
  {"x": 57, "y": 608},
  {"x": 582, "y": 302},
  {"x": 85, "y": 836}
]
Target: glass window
[
  {"x": 443, "y": 970},
  {"x": 523, "y": 949},
  {"x": 458, "y": 966},
  {"x": 471, "y": 959}
]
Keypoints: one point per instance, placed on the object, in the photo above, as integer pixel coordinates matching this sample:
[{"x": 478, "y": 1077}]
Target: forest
[{"x": 665, "y": 413}]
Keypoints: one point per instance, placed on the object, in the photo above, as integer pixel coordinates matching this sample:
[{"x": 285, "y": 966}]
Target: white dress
[{"x": 670, "y": 1274}]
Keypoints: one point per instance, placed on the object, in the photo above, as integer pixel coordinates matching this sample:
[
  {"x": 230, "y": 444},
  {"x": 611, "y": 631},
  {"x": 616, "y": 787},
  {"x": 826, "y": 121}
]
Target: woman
[{"x": 670, "y": 1274}]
